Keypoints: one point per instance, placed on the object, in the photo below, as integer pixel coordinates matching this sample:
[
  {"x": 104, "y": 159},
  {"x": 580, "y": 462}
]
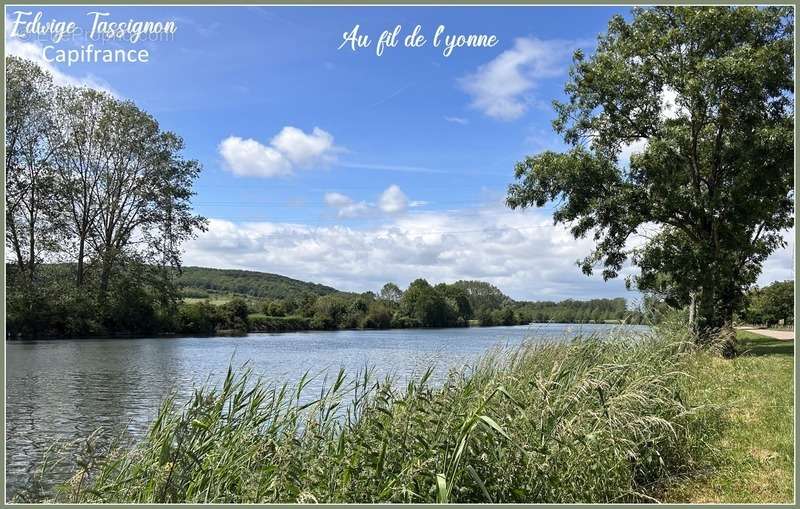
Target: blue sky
[{"x": 351, "y": 169}]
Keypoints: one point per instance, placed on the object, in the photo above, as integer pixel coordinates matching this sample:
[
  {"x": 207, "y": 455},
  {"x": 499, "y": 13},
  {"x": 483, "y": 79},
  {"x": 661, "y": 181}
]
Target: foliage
[
  {"x": 92, "y": 180},
  {"x": 771, "y": 304},
  {"x": 482, "y": 295},
  {"x": 245, "y": 282},
  {"x": 378, "y": 316},
  {"x": 263, "y": 323},
  {"x": 709, "y": 93},
  {"x": 429, "y": 306},
  {"x": 391, "y": 293},
  {"x": 589, "y": 421}
]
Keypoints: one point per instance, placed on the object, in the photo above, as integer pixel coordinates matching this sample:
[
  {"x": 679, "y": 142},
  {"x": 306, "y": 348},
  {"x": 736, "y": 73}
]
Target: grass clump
[{"x": 587, "y": 421}]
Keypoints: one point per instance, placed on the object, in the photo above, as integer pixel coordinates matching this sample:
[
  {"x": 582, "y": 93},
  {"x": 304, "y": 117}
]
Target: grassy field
[
  {"x": 215, "y": 299},
  {"x": 754, "y": 462}
]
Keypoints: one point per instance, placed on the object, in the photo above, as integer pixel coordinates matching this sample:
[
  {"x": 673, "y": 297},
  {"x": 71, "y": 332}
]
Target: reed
[{"x": 586, "y": 421}]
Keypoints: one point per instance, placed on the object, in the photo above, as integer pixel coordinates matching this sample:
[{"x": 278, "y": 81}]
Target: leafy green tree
[
  {"x": 457, "y": 298},
  {"x": 32, "y": 205},
  {"x": 708, "y": 92},
  {"x": 199, "y": 318},
  {"x": 421, "y": 302},
  {"x": 274, "y": 308},
  {"x": 482, "y": 295},
  {"x": 391, "y": 293},
  {"x": 771, "y": 304},
  {"x": 504, "y": 316}
]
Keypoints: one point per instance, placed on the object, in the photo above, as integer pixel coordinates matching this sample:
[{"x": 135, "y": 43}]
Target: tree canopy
[
  {"x": 94, "y": 181},
  {"x": 707, "y": 95},
  {"x": 771, "y": 305}
]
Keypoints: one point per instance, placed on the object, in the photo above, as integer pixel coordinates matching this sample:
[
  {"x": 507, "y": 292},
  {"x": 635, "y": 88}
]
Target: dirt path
[{"x": 786, "y": 335}]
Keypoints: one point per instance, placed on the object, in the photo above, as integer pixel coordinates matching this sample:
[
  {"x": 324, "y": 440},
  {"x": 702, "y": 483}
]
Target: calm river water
[{"x": 65, "y": 389}]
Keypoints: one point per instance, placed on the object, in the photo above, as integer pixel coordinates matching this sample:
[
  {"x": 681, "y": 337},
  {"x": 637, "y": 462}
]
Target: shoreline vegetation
[
  {"x": 220, "y": 302},
  {"x": 629, "y": 419}
]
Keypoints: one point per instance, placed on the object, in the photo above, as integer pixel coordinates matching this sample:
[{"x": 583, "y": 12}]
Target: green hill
[{"x": 200, "y": 281}]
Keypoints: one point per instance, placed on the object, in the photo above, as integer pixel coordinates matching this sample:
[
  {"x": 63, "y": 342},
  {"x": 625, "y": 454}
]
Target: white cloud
[
  {"x": 337, "y": 199},
  {"x": 33, "y": 51},
  {"x": 250, "y": 158},
  {"x": 291, "y": 148},
  {"x": 520, "y": 252},
  {"x": 629, "y": 149},
  {"x": 393, "y": 200},
  {"x": 304, "y": 149},
  {"x": 780, "y": 265},
  {"x": 346, "y": 206},
  {"x": 500, "y": 87},
  {"x": 670, "y": 109}
]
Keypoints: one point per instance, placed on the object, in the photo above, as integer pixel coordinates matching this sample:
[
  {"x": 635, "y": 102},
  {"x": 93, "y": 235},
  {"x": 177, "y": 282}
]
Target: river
[{"x": 65, "y": 389}]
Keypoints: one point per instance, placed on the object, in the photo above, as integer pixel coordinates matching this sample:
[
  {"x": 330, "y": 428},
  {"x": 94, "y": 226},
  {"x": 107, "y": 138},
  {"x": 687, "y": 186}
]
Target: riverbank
[
  {"x": 754, "y": 458},
  {"x": 591, "y": 420},
  {"x": 280, "y": 325}
]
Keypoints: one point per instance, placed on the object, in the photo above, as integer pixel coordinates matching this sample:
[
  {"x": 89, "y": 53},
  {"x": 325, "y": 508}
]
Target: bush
[
  {"x": 262, "y": 323},
  {"x": 405, "y": 322},
  {"x": 378, "y": 317},
  {"x": 197, "y": 318}
]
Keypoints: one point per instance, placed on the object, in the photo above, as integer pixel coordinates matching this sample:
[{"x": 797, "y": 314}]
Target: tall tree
[
  {"x": 142, "y": 193},
  {"x": 31, "y": 209},
  {"x": 707, "y": 92},
  {"x": 92, "y": 179},
  {"x": 81, "y": 116},
  {"x": 391, "y": 293}
]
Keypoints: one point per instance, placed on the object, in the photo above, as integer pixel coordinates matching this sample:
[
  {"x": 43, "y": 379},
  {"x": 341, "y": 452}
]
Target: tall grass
[{"x": 587, "y": 421}]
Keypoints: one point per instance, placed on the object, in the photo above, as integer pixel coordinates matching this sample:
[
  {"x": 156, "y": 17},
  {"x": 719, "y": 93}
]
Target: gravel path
[{"x": 786, "y": 335}]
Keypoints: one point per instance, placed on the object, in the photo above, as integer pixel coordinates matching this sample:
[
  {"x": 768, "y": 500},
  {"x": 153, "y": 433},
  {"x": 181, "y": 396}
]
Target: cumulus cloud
[
  {"x": 304, "y": 149},
  {"x": 500, "y": 88},
  {"x": 250, "y": 158},
  {"x": 393, "y": 200},
  {"x": 288, "y": 150},
  {"x": 521, "y": 252},
  {"x": 345, "y": 206}
]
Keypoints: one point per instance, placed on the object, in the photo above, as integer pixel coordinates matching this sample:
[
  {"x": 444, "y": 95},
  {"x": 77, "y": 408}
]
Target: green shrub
[
  {"x": 262, "y": 323},
  {"x": 197, "y": 318}
]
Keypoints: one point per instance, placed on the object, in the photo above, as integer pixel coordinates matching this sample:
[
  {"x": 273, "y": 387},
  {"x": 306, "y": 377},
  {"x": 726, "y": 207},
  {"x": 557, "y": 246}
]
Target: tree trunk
[{"x": 79, "y": 281}]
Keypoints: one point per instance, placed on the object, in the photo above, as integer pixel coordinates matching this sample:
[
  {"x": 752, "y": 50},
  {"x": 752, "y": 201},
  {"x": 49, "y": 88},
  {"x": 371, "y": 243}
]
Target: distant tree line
[
  {"x": 92, "y": 181},
  {"x": 420, "y": 305}
]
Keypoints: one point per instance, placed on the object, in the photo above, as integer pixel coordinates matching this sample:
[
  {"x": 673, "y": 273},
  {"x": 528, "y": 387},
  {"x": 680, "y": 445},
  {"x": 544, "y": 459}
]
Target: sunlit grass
[{"x": 754, "y": 462}]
